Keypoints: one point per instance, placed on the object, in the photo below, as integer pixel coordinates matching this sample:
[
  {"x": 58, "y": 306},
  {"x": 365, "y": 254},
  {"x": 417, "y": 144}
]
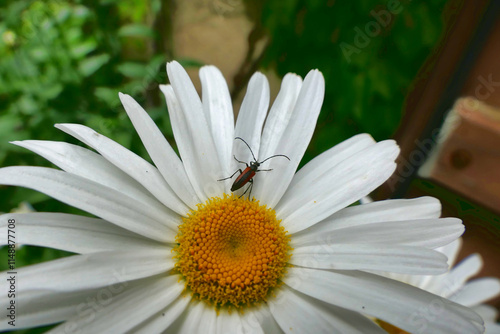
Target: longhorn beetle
[{"x": 246, "y": 176}]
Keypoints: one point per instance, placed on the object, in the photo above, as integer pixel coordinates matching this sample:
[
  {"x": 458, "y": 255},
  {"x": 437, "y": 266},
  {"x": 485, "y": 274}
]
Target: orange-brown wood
[
  {"x": 462, "y": 18},
  {"x": 469, "y": 157}
]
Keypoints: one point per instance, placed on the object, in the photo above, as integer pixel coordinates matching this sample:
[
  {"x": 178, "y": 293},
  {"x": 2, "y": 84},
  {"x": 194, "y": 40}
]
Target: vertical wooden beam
[{"x": 437, "y": 78}]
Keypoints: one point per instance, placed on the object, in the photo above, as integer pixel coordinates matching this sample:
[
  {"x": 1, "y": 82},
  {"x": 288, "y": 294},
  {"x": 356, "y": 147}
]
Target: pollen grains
[{"x": 231, "y": 251}]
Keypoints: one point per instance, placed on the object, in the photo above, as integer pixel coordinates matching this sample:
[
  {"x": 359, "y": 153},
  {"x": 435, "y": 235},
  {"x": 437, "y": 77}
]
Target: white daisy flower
[
  {"x": 455, "y": 285},
  {"x": 173, "y": 250}
]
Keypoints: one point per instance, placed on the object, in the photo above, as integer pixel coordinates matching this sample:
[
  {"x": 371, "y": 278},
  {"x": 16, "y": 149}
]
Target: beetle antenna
[
  {"x": 248, "y": 147},
  {"x": 274, "y": 156}
]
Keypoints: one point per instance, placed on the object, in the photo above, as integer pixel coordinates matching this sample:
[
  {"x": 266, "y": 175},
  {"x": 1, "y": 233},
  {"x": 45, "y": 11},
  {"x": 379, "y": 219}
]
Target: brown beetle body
[{"x": 246, "y": 176}]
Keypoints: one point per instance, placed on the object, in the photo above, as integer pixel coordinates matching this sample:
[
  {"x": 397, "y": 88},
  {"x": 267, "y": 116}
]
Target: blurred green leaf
[
  {"x": 133, "y": 70},
  {"x": 190, "y": 62},
  {"x": 89, "y": 65},
  {"x": 136, "y": 30},
  {"x": 81, "y": 50},
  {"x": 108, "y": 95}
]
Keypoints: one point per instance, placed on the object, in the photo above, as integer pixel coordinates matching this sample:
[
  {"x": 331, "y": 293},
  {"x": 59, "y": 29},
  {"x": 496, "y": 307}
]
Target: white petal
[
  {"x": 163, "y": 319},
  {"x": 280, "y": 114},
  {"x": 129, "y": 162},
  {"x": 85, "y": 163},
  {"x": 489, "y": 315},
  {"x": 275, "y": 127},
  {"x": 160, "y": 151},
  {"x": 204, "y": 180},
  {"x": 429, "y": 233},
  {"x": 477, "y": 291},
  {"x": 391, "y": 258},
  {"x": 50, "y": 308},
  {"x": 318, "y": 196},
  {"x": 259, "y": 320},
  {"x": 200, "y": 319},
  {"x": 43, "y": 307},
  {"x": 366, "y": 200},
  {"x": 332, "y": 157},
  {"x": 377, "y": 212},
  {"x": 127, "y": 309},
  {"x": 492, "y": 328},
  {"x": 218, "y": 109},
  {"x": 487, "y": 312},
  {"x": 293, "y": 143},
  {"x": 451, "y": 282},
  {"x": 229, "y": 323},
  {"x": 208, "y": 320},
  {"x": 196, "y": 146},
  {"x": 299, "y": 313},
  {"x": 72, "y": 233},
  {"x": 251, "y": 118},
  {"x": 451, "y": 251},
  {"x": 417, "y": 281},
  {"x": 150, "y": 220},
  {"x": 96, "y": 270},
  {"x": 399, "y": 304}
]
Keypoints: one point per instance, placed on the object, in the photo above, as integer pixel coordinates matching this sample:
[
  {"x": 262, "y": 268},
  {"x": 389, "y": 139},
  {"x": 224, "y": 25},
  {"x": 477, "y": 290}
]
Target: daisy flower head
[
  {"x": 456, "y": 285},
  {"x": 172, "y": 249}
]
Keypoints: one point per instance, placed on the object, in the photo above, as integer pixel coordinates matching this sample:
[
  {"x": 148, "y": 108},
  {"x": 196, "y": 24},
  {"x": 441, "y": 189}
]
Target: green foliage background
[
  {"x": 65, "y": 61},
  {"x": 366, "y": 88}
]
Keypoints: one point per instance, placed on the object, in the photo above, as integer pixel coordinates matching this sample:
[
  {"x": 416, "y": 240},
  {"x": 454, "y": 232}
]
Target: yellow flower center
[{"x": 231, "y": 251}]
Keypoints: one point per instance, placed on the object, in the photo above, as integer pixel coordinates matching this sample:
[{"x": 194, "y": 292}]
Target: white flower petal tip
[
  {"x": 193, "y": 134},
  {"x": 366, "y": 200},
  {"x": 292, "y": 76},
  {"x": 318, "y": 81},
  {"x": 177, "y": 74},
  {"x": 174, "y": 65},
  {"x": 290, "y": 115},
  {"x": 218, "y": 109},
  {"x": 250, "y": 120},
  {"x": 213, "y": 76},
  {"x": 126, "y": 99},
  {"x": 477, "y": 291}
]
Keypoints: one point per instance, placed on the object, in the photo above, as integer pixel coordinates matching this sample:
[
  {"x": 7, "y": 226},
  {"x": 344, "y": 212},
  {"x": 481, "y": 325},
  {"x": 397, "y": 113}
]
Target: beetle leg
[
  {"x": 229, "y": 177},
  {"x": 250, "y": 187}
]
